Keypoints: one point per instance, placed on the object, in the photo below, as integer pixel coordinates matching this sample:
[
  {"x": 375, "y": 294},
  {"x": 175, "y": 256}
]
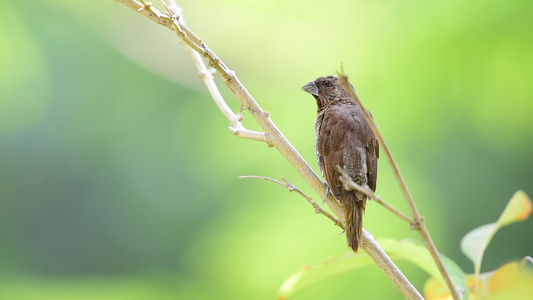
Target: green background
[{"x": 119, "y": 176}]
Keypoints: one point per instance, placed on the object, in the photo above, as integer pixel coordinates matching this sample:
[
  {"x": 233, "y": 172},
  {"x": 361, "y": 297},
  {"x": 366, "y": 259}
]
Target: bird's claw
[{"x": 328, "y": 191}]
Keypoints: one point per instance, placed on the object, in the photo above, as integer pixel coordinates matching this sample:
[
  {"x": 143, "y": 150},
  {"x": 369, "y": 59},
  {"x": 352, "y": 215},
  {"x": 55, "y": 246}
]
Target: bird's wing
[
  {"x": 345, "y": 139},
  {"x": 372, "y": 155},
  {"x": 340, "y": 143}
]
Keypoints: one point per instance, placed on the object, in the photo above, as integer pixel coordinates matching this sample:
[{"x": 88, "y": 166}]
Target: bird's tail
[{"x": 354, "y": 222}]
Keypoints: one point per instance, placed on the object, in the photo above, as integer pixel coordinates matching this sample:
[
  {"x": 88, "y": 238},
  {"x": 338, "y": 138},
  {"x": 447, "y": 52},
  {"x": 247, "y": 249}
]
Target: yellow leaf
[
  {"x": 511, "y": 282},
  {"x": 476, "y": 241},
  {"x": 435, "y": 290},
  {"x": 518, "y": 209}
]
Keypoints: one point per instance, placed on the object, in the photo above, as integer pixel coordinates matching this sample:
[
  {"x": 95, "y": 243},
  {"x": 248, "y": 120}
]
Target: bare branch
[
  {"x": 418, "y": 223},
  {"x": 292, "y": 188},
  {"x": 383, "y": 261},
  {"x": 176, "y": 22}
]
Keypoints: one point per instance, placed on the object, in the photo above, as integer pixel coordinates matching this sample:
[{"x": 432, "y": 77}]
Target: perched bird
[{"x": 344, "y": 138}]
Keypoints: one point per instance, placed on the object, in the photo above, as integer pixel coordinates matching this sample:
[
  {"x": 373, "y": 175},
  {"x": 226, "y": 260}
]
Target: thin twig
[
  {"x": 350, "y": 185},
  {"x": 292, "y": 188},
  {"x": 273, "y": 135},
  {"x": 175, "y": 21},
  {"x": 418, "y": 223}
]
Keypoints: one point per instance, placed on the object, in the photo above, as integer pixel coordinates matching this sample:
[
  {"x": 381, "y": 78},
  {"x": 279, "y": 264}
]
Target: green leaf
[
  {"x": 418, "y": 255},
  {"x": 311, "y": 275},
  {"x": 404, "y": 249},
  {"x": 476, "y": 241}
]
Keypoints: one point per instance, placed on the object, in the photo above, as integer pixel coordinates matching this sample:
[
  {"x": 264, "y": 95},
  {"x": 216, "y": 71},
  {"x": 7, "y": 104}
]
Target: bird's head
[{"x": 327, "y": 90}]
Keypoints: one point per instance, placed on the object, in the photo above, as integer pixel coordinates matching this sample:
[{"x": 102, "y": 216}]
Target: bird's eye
[{"x": 326, "y": 83}]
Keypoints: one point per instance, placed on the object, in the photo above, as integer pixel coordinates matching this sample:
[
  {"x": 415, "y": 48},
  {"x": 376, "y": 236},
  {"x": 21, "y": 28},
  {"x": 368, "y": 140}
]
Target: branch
[
  {"x": 175, "y": 21},
  {"x": 370, "y": 246},
  {"x": 418, "y": 223},
  {"x": 350, "y": 185},
  {"x": 292, "y": 188},
  {"x": 273, "y": 135},
  {"x": 379, "y": 256}
]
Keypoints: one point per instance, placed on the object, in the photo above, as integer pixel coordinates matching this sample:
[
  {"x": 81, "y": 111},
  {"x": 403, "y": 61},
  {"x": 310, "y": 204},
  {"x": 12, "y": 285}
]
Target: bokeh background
[{"x": 119, "y": 176}]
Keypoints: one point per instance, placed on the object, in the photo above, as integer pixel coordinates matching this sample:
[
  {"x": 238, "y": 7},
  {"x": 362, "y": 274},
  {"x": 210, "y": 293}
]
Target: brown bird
[{"x": 344, "y": 138}]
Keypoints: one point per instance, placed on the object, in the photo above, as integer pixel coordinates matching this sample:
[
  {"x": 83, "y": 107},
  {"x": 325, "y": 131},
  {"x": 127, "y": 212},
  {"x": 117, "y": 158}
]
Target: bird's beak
[{"x": 311, "y": 88}]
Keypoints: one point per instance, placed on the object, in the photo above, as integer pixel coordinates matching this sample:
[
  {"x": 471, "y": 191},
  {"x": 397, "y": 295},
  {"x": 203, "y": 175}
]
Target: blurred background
[{"x": 119, "y": 176}]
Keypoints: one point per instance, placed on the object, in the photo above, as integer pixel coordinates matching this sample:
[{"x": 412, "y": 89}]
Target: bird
[{"x": 345, "y": 139}]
